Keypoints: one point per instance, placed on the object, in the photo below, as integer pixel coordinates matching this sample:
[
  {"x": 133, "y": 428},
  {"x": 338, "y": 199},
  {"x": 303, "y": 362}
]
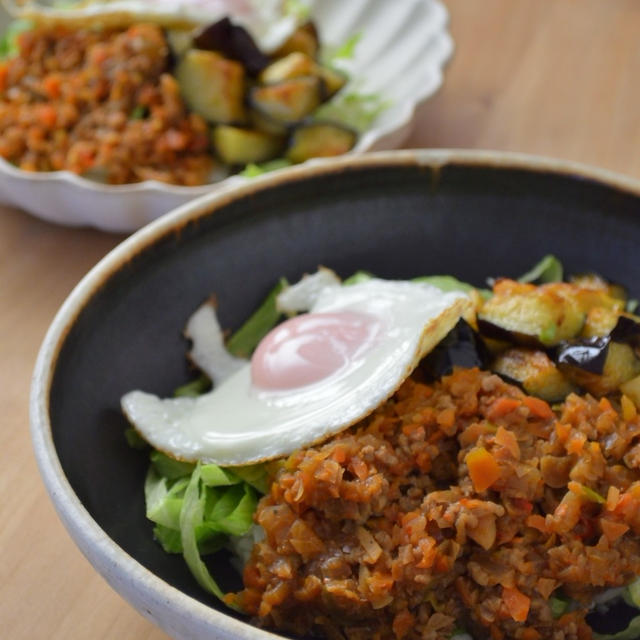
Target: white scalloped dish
[{"x": 400, "y": 54}]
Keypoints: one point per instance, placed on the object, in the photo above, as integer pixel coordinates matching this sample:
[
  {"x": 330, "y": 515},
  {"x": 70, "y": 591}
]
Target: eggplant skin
[
  {"x": 588, "y": 354},
  {"x": 461, "y": 347},
  {"x": 535, "y": 372},
  {"x": 627, "y": 330},
  {"x": 232, "y": 41},
  {"x": 620, "y": 365}
]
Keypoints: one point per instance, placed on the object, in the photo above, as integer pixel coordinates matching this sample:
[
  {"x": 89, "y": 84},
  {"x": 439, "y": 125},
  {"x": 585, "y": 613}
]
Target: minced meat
[{"x": 461, "y": 503}]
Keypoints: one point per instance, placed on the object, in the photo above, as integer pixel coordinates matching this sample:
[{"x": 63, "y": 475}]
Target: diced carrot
[
  {"x": 613, "y": 495},
  {"x": 530, "y": 634},
  {"x": 4, "y": 72},
  {"x": 339, "y": 454},
  {"x": 604, "y": 404},
  {"x": 537, "y": 522},
  {"x": 47, "y": 115},
  {"x": 446, "y": 419},
  {"x": 402, "y": 623},
  {"x": 563, "y": 431},
  {"x": 423, "y": 460},
  {"x": 508, "y": 440},
  {"x": 517, "y": 603},
  {"x": 613, "y": 530},
  {"x": 576, "y": 443},
  {"x": 483, "y": 468},
  {"x": 501, "y": 407},
  {"x": 52, "y": 85},
  {"x": 539, "y": 408}
]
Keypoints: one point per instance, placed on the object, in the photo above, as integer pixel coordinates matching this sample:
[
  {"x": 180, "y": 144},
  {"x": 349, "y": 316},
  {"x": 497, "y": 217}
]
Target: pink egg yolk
[{"x": 311, "y": 347}]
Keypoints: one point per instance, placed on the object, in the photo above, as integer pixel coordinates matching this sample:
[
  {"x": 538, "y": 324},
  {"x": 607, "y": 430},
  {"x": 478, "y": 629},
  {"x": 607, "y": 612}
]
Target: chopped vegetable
[
  {"x": 253, "y": 170},
  {"x": 549, "y": 269},
  {"x": 246, "y": 339},
  {"x": 353, "y": 109},
  {"x": 517, "y": 603},
  {"x": 9, "y": 39},
  {"x": 483, "y": 468}
]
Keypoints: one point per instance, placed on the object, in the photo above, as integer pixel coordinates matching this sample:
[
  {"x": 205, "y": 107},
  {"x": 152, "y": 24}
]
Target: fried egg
[{"x": 311, "y": 377}]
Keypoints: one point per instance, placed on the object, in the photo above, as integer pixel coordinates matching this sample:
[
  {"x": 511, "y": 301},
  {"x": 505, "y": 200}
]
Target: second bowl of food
[
  {"x": 433, "y": 434},
  {"x": 113, "y": 113}
]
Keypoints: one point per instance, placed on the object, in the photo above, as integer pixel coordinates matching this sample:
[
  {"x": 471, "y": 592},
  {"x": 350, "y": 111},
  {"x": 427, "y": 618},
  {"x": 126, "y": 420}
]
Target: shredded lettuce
[
  {"x": 198, "y": 509},
  {"x": 346, "y": 51},
  {"x": 191, "y": 517},
  {"x": 194, "y": 388},
  {"x": 449, "y": 283},
  {"x": 170, "y": 467},
  {"x": 246, "y": 339},
  {"x": 632, "y": 595},
  {"x": 298, "y": 9},
  {"x": 558, "y": 606},
  {"x": 9, "y": 39},
  {"x": 252, "y": 170},
  {"x": 135, "y": 440},
  {"x": 354, "y": 109},
  {"x": 549, "y": 269},
  {"x": 164, "y": 499},
  {"x": 357, "y": 277}
]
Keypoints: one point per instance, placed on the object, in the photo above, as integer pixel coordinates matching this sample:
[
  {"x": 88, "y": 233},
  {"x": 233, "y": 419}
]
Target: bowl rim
[{"x": 115, "y": 565}]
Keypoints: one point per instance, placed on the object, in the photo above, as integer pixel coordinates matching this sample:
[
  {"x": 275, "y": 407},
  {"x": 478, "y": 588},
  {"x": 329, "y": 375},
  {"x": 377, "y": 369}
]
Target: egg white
[{"x": 236, "y": 423}]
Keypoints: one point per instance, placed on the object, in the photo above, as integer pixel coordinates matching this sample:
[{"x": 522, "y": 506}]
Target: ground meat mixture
[
  {"x": 457, "y": 503},
  {"x": 100, "y": 103}
]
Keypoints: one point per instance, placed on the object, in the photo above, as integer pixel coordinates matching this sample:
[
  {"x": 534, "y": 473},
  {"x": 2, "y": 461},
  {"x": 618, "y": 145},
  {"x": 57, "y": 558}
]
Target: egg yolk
[{"x": 311, "y": 347}]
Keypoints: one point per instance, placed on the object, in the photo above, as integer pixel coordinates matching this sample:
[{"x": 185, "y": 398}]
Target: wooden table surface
[{"x": 558, "y": 78}]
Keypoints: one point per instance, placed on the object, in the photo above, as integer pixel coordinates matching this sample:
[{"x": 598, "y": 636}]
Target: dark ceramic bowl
[{"x": 396, "y": 214}]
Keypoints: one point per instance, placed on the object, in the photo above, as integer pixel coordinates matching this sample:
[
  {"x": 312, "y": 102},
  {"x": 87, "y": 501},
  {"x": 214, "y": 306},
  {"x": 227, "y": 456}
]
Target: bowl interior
[{"x": 397, "y": 221}]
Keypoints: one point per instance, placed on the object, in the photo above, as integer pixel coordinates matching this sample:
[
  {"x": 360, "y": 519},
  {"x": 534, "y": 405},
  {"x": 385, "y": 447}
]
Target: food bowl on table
[
  {"x": 392, "y": 59},
  {"x": 396, "y": 214}
]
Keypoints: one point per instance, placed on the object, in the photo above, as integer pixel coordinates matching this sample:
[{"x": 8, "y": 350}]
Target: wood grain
[{"x": 557, "y": 78}]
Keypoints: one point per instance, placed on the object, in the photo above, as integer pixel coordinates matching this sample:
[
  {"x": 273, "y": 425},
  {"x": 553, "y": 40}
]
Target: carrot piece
[
  {"x": 576, "y": 443},
  {"x": 530, "y": 634},
  {"x": 613, "y": 495},
  {"x": 47, "y": 115},
  {"x": 539, "y": 408},
  {"x": 501, "y": 407},
  {"x": 517, "y": 603},
  {"x": 402, "y": 623},
  {"x": 563, "y": 431},
  {"x": 507, "y": 439},
  {"x": 613, "y": 530},
  {"x": 446, "y": 419},
  {"x": 339, "y": 454},
  {"x": 604, "y": 404},
  {"x": 483, "y": 468},
  {"x": 4, "y": 73},
  {"x": 52, "y": 85},
  {"x": 538, "y": 522}
]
